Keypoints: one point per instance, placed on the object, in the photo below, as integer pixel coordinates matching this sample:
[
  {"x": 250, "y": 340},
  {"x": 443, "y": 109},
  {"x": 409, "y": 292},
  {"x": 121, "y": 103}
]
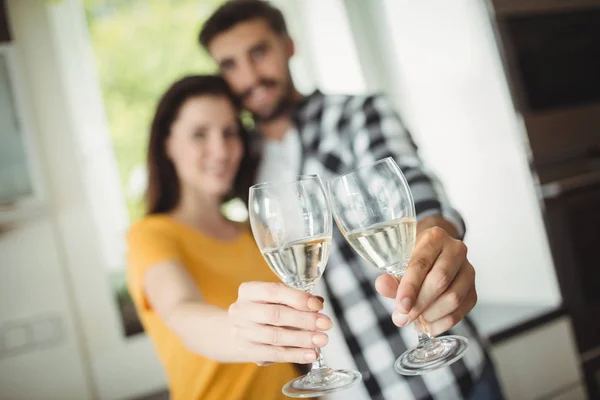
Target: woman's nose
[{"x": 219, "y": 148}]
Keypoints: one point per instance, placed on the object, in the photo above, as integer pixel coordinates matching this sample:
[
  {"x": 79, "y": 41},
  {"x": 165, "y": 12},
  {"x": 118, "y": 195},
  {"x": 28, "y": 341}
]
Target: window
[
  {"x": 20, "y": 184},
  {"x": 140, "y": 48}
]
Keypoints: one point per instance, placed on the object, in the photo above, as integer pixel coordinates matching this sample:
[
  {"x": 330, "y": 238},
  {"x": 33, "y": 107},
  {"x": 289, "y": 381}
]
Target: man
[{"x": 330, "y": 135}]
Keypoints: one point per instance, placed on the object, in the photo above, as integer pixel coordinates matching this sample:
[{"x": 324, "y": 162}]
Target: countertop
[{"x": 499, "y": 322}]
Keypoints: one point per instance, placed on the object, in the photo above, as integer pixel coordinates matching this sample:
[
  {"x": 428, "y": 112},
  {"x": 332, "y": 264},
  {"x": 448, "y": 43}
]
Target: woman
[{"x": 188, "y": 264}]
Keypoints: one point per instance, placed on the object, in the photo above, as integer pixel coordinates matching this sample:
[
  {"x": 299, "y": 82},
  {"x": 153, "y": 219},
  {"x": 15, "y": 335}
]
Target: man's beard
[{"x": 283, "y": 106}]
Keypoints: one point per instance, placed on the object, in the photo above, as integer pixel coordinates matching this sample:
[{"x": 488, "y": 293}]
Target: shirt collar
[{"x": 308, "y": 109}]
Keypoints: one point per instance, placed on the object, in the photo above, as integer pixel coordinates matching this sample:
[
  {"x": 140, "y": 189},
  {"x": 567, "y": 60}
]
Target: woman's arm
[{"x": 269, "y": 322}]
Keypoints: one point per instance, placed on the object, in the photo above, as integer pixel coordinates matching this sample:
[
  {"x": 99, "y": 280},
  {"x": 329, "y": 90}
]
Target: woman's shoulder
[
  {"x": 243, "y": 226},
  {"x": 151, "y": 224},
  {"x": 162, "y": 226},
  {"x": 152, "y": 239}
]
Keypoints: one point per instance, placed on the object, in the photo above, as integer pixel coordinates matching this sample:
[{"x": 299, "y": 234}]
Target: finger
[
  {"x": 262, "y": 353},
  {"x": 386, "y": 285},
  {"x": 447, "y": 322},
  {"x": 266, "y": 334},
  {"x": 244, "y": 314},
  {"x": 278, "y": 293},
  {"x": 441, "y": 276},
  {"x": 453, "y": 297},
  {"x": 427, "y": 249}
]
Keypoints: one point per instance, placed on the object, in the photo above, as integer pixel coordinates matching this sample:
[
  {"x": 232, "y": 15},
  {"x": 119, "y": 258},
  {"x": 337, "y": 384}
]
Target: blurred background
[{"x": 502, "y": 97}]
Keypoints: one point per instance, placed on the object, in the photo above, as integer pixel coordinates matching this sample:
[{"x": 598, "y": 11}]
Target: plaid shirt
[{"x": 339, "y": 133}]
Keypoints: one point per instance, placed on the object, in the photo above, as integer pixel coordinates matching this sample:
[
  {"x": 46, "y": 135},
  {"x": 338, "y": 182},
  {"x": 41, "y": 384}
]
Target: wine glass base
[
  {"x": 319, "y": 382},
  {"x": 417, "y": 361}
]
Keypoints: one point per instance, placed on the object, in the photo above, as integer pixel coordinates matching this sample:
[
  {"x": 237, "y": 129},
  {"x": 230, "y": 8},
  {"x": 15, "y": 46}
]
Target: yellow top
[{"x": 218, "y": 268}]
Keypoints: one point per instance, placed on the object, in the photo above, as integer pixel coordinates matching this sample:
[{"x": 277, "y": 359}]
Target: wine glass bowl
[{"x": 376, "y": 217}]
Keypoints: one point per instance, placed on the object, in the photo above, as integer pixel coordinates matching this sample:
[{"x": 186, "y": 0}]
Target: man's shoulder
[
  {"x": 354, "y": 102},
  {"x": 346, "y": 97}
]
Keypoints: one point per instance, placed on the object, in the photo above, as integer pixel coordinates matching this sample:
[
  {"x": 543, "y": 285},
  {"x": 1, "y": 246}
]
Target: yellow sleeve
[{"x": 147, "y": 245}]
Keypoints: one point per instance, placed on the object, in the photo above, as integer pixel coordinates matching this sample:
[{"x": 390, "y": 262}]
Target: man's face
[{"x": 253, "y": 59}]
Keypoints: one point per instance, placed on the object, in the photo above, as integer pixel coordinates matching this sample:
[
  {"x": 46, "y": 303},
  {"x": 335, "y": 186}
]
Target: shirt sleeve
[
  {"x": 147, "y": 245},
  {"x": 379, "y": 133}
]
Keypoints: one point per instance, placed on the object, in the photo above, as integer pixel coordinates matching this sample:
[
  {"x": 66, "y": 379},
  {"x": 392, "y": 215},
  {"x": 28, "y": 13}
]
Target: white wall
[
  {"x": 458, "y": 105},
  {"x": 32, "y": 289},
  {"x": 67, "y": 110},
  {"x": 326, "y": 57},
  {"x": 35, "y": 295}
]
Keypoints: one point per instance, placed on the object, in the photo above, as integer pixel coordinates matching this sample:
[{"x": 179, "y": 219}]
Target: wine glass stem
[
  {"x": 318, "y": 363},
  {"x": 425, "y": 338}
]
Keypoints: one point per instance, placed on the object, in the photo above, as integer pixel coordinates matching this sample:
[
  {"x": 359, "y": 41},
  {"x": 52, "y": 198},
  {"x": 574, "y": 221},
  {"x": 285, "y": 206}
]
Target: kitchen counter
[{"x": 498, "y": 322}]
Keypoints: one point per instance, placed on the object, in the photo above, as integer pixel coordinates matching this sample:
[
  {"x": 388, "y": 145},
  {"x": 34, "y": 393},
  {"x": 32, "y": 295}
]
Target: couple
[{"x": 223, "y": 326}]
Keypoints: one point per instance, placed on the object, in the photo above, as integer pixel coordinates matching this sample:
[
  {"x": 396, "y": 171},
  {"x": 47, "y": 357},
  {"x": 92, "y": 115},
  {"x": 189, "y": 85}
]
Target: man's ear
[{"x": 290, "y": 47}]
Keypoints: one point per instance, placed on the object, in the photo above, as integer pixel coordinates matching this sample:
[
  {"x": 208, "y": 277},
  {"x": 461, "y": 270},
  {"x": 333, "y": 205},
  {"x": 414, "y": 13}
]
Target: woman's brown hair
[{"x": 163, "y": 190}]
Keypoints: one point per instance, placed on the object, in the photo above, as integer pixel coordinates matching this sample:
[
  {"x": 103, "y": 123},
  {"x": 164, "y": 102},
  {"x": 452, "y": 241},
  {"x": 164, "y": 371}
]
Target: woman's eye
[{"x": 199, "y": 135}]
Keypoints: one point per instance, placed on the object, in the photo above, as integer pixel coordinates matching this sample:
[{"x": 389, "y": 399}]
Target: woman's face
[{"x": 205, "y": 145}]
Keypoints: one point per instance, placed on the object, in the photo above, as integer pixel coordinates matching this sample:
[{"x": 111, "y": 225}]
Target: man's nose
[{"x": 248, "y": 75}]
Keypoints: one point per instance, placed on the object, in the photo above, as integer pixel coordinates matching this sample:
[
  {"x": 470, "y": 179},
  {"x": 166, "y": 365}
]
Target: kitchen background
[{"x": 503, "y": 98}]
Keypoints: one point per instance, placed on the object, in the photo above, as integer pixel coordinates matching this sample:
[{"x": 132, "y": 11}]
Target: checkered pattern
[{"x": 338, "y": 134}]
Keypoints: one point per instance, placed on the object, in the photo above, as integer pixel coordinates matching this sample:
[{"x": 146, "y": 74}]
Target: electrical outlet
[
  {"x": 25, "y": 335},
  {"x": 15, "y": 337},
  {"x": 46, "y": 330}
]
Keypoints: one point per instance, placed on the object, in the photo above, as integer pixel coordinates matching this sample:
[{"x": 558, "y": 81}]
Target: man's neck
[{"x": 276, "y": 128}]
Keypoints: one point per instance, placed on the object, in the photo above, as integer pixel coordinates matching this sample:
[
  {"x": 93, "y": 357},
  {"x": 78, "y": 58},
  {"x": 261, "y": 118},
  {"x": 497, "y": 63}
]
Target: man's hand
[
  {"x": 275, "y": 323},
  {"x": 439, "y": 282}
]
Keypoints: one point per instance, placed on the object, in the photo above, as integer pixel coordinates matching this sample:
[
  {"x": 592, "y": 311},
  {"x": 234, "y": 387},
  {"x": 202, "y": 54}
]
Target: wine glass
[
  {"x": 374, "y": 208},
  {"x": 292, "y": 226}
]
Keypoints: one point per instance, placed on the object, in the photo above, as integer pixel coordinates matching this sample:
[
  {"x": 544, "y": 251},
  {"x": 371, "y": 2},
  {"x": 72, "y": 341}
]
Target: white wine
[
  {"x": 388, "y": 245},
  {"x": 299, "y": 264}
]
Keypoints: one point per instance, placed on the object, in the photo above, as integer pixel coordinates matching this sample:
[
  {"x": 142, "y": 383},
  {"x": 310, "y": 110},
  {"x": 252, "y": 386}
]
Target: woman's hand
[{"x": 274, "y": 323}]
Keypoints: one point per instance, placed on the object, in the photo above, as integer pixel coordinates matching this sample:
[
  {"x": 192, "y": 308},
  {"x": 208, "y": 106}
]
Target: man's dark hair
[{"x": 235, "y": 11}]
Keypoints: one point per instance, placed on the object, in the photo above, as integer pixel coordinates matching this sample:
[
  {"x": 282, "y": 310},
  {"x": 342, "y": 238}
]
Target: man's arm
[
  {"x": 378, "y": 133},
  {"x": 439, "y": 282}
]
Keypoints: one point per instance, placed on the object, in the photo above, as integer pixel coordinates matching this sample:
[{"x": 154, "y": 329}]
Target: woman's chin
[{"x": 219, "y": 192}]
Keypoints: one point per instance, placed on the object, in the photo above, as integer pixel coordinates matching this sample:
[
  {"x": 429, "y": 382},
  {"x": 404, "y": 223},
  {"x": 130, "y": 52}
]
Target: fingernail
[
  {"x": 399, "y": 318},
  {"x": 315, "y": 304},
  {"x": 406, "y": 303},
  {"x": 323, "y": 323},
  {"x": 319, "y": 340},
  {"x": 310, "y": 356}
]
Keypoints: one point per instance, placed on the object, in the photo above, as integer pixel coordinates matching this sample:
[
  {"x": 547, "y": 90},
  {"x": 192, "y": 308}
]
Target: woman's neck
[{"x": 203, "y": 213}]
